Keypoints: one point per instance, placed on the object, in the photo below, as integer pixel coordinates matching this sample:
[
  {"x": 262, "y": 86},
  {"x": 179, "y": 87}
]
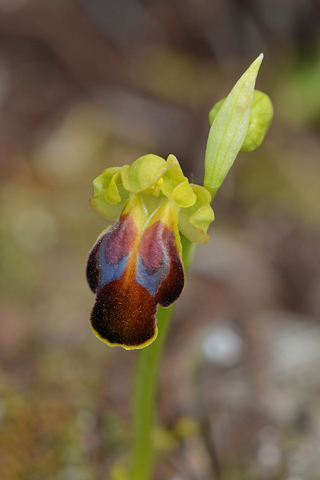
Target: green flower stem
[{"x": 145, "y": 388}]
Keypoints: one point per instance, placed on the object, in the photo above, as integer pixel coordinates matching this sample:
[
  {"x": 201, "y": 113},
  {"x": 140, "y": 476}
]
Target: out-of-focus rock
[{"x": 268, "y": 424}]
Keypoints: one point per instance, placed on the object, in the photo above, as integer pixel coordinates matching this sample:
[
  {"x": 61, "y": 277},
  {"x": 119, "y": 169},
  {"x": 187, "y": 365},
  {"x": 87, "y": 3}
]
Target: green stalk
[
  {"x": 144, "y": 400},
  {"x": 145, "y": 388}
]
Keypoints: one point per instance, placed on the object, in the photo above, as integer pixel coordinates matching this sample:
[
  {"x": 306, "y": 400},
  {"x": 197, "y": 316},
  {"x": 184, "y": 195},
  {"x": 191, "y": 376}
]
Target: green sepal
[
  {"x": 229, "y": 129},
  {"x": 109, "y": 195},
  {"x": 195, "y": 220},
  {"x": 143, "y": 173}
]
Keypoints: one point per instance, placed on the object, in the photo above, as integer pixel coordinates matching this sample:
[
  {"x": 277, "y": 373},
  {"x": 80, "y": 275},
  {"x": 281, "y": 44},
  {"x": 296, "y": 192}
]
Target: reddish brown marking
[
  {"x": 124, "y": 315},
  {"x": 122, "y": 240},
  {"x": 151, "y": 246},
  {"x": 172, "y": 286}
]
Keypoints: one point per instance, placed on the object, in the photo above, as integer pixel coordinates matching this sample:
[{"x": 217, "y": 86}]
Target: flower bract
[{"x": 136, "y": 264}]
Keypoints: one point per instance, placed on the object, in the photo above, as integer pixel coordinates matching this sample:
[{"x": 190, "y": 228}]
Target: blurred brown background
[{"x": 85, "y": 85}]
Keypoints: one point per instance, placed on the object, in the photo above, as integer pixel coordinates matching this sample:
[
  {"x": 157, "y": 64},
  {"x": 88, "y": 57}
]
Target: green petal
[
  {"x": 172, "y": 160},
  {"x": 109, "y": 196},
  {"x": 171, "y": 179},
  {"x": 176, "y": 186},
  {"x": 195, "y": 220},
  {"x": 143, "y": 173},
  {"x": 112, "y": 193},
  {"x": 183, "y": 194}
]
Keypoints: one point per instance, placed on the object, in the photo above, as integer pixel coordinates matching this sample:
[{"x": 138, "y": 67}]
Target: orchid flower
[{"x": 136, "y": 264}]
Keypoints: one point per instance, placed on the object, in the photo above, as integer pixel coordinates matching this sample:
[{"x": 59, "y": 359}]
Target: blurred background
[{"x": 88, "y": 84}]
